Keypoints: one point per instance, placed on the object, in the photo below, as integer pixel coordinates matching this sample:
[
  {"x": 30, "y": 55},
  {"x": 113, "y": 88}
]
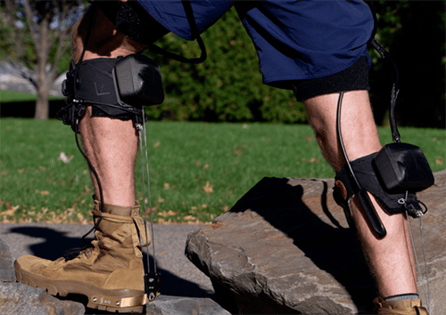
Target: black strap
[
  {"x": 366, "y": 175},
  {"x": 195, "y": 36},
  {"x": 396, "y": 85},
  {"x": 395, "y": 89}
]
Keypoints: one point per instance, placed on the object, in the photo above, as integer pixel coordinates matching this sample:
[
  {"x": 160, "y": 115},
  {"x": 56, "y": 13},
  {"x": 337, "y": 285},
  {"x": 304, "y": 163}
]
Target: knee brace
[
  {"x": 368, "y": 175},
  {"x": 114, "y": 87}
]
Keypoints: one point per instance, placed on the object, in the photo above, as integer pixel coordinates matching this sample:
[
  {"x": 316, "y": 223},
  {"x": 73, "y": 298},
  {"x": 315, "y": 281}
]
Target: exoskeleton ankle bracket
[
  {"x": 114, "y": 87},
  {"x": 365, "y": 172}
]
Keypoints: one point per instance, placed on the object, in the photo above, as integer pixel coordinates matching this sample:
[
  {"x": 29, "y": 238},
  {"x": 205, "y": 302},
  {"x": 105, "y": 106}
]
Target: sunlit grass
[
  {"x": 8, "y": 96},
  {"x": 197, "y": 170}
]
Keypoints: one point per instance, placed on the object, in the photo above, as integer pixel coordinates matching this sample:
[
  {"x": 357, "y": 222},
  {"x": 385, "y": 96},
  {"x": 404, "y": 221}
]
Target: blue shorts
[{"x": 295, "y": 40}]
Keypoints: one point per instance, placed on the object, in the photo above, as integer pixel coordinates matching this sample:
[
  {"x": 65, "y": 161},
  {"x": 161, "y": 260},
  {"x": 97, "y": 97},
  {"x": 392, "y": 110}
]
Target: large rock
[
  {"x": 286, "y": 248},
  {"x": 18, "y": 298},
  {"x": 178, "y": 305}
]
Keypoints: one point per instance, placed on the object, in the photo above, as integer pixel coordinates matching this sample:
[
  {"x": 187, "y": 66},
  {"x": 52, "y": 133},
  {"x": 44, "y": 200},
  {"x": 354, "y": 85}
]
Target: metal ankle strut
[
  {"x": 151, "y": 277},
  {"x": 426, "y": 291}
]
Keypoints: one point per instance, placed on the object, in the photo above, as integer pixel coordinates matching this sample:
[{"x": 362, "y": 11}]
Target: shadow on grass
[{"x": 27, "y": 109}]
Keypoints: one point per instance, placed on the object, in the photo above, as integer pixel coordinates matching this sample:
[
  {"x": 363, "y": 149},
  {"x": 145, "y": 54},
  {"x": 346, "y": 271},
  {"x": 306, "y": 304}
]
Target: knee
[
  {"x": 77, "y": 43},
  {"x": 322, "y": 113},
  {"x": 104, "y": 39}
]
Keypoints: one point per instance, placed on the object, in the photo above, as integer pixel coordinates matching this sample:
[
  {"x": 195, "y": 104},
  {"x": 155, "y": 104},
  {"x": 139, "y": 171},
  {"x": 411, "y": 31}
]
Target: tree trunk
[
  {"x": 43, "y": 80},
  {"x": 43, "y": 44},
  {"x": 42, "y": 104}
]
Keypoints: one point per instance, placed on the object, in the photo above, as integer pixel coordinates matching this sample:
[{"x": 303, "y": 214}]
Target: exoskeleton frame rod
[{"x": 151, "y": 276}]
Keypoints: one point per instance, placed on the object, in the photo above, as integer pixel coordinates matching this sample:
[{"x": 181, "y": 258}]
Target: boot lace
[{"x": 75, "y": 252}]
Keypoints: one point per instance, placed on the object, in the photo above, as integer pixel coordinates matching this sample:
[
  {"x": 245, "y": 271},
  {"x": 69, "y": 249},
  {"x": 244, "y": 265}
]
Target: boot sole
[{"x": 119, "y": 300}]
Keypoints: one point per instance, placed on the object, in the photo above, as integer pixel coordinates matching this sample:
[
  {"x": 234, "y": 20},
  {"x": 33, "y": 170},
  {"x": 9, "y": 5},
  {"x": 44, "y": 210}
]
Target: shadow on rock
[{"x": 331, "y": 247}]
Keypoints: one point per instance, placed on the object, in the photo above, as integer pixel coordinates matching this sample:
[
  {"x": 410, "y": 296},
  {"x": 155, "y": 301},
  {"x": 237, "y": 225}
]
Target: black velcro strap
[
  {"x": 94, "y": 86},
  {"x": 94, "y": 82},
  {"x": 365, "y": 173}
]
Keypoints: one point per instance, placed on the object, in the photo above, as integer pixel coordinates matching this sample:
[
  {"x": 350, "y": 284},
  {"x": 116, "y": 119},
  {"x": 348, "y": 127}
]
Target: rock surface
[
  {"x": 7, "y": 273},
  {"x": 178, "y": 305},
  {"x": 286, "y": 248},
  {"x": 17, "y": 298}
]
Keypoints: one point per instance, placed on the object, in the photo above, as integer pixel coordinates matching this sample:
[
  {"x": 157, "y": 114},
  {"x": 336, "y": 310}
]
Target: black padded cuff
[
  {"x": 363, "y": 168},
  {"x": 94, "y": 82},
  {"x": 94, "y": 86}
]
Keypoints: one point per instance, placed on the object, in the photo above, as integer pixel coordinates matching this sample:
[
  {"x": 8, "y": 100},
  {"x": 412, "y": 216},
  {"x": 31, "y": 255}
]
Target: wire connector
[{"x": 152, "y": 283}]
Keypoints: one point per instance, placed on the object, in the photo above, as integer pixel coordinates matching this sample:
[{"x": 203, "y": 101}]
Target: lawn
[
  {"x": 198, "y": 170},
  {"x": 7, "y": 96}
]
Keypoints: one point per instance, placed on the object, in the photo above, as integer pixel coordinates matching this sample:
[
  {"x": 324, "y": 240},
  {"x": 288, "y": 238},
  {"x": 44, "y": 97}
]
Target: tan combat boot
[
  {"x": 401, "y": 307},
  {"x": 110, "y": 274}
]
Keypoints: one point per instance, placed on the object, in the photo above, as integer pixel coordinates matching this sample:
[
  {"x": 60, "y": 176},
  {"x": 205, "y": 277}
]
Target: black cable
[
  {"x": 396, "y": 85},
  {"x": 341, "y": 143},
  {"x": 395, "y": 90},
  {"x": 73, "y": 253},
  {"x": 89, "y": 165},
  {"x": 195, "y": 35},
  {"x": 76, "y": 124},
  {"x": 362, "y": 194}
]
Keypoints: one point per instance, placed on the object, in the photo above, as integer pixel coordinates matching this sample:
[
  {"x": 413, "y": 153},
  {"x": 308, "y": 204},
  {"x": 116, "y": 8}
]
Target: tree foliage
[
  {"x": 35, "y": 35},
  {"x": 227, "y": 86},
  {"x": 414, "y": 34}
]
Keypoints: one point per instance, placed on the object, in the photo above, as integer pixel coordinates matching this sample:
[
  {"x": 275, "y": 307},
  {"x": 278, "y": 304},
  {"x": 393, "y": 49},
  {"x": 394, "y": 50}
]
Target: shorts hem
[
  {"x": 353, "y": 78},
  {"x": 278, "y": 81}
]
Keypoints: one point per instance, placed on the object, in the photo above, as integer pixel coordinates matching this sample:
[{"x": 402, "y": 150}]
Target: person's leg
[
  {"x": 390, "y": 258},
  {"x": 318, "y": 63},
  {"x": 110, "y": 144},
  {"x": 110, "y": 272}
]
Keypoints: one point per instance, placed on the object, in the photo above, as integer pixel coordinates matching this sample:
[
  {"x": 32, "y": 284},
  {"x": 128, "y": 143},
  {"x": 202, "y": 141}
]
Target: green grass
[
  {"x": 197, "y": 170},
  {"x": 7, "y": 96}
]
